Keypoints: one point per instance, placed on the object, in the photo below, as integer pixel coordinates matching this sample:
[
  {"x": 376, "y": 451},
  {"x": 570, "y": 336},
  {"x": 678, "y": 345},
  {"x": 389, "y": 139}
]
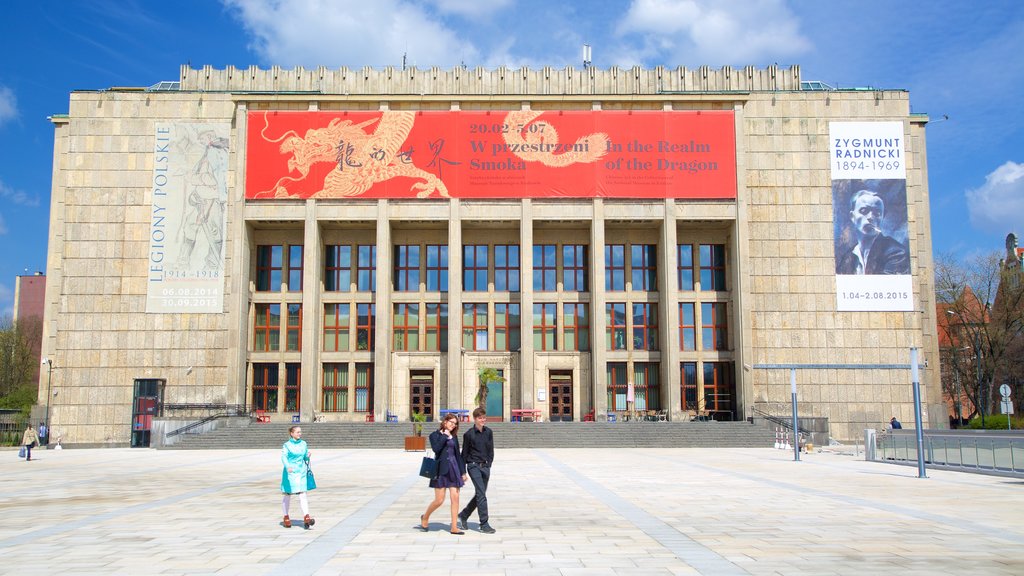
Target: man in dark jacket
[
  {"x": 874, "y": 252},
  {"x": 478, "y": 453}
]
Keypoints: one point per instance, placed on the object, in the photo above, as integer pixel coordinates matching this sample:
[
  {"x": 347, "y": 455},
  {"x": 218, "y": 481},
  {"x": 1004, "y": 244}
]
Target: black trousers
[{"x": 480, "y": 475}]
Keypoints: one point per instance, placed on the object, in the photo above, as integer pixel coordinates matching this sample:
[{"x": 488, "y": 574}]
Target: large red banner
[{"x": 518, "y": 154}]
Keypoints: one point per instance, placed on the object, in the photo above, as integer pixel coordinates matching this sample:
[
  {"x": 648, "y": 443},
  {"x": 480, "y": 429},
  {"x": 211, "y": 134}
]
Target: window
[
  {"x": 474, "y": 326},
  {"x": 506, "y": 327},
  {"x": 474, "y": 268},
  {"x": 364, "y": 387},
  {"x": 615, "y": 267},
  {"x": 437, "y": 268},
  {"x": 713, "y": 326},
  {"x": 545, "y": 268},
  {"x": 646, "y": 394},
  {"x": 544, "y": 326},
  {"x": 437, "y": 328},
  {"x": 645, "y": 326},
  {"x": 615, "y": 321},
  {"x": 712, "y": 267},
  {"x": 407, "y": 268},
  {"x": 365, "y": 314},
  {"x": 366, "y": 269},
  {"x": 335, "y": 390},
  {"x": 292, "y": 378},
  {"x": 268, "y": 268},
  {"x": 338, "y": 269},
  {"x": 688, "y": 380},
  {"x": 295, "y": 268},
  {"x": 264, "y": 387},
  {"x": 406, "y": 327},
  {"x": 267, "y": 329},
  {"x": 574, "y": 268},
  {"x": 718, "y": 386},
  {"x": 293, "y": 340},
  {"x": 687, "y": 327},
  {"x": 577, "y": 327},
  {"x": 685, "y": 267},
  {"x": 336, "y": 323},
  {"x": 506, "y": 268},
  {"x": 644, "y": 267},
  {"x": 617, "y": 386}
]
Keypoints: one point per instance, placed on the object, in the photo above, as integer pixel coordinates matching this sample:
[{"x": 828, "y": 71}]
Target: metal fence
[{"x": 983, "y": 451}]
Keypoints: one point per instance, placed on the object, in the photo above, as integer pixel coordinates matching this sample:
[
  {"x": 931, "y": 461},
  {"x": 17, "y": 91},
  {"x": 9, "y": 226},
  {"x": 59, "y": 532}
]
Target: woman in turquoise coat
[{"x": 295, "y": 477}]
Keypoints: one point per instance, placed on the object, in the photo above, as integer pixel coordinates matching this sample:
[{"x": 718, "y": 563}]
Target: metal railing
[
  {"x": 983, "y": 451},
  {"x": 785, "y": 422},
  {"x": 222, "y": 411}
]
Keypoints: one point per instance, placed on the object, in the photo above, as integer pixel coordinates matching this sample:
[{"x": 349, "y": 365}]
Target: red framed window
[
  {"x": 366, "y": 268},
  {"x": 293, "y": 339},
  {"x": 506, "y": 327},
  {"x": 684, "y": 265},
  {"x": 645, "y": 326},
  {"x": 577, "y": 327},
  {"x": 719, "y": 386},
  {"x": 436, "y": 328},
  {"x": 407, "y": 268},
  {"x": 646, "y": 387},
  {"x": 687, "y": 327},
  {"x": 506, "y": 268},
  {"x": 292, "y": 379},
  {"x": 264, "y": 386},
  {"x": 474, "y": 326},
  {"x": 269, "y": 267},
  {"x": 688, "y": 383},
  {"x": 335, "y": 388},
  {"x": 364, "y": 387},
  {"x": 615, "y": 325},
  {"x": 617, "y": 386},
  {"x": 712, "y": 267},
  {"x": 574, "y": 268},
  {"x": 474, "y": 268},
  {"x": 714, "y": 326},
  {"x": 365, "y": 316},
  {"x": 545, "y": 268},
  {"x": 337, "y": 318},
  {"x": 295, "y": 268},
  {"x": 406, "y": 327},
  {"x": 615, "y": 267},
  {"x": 644, "y": 267},
  {"x": 267, "y": 328},
  {"x": 544, "y": 328},
  {"x": 437, "y": 268},
  {"x": 338, "y": 268}
]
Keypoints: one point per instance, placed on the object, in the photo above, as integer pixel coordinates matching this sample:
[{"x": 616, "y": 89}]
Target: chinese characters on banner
[
  {"x": 188, "y": 218},
  {"x": 869, "y": 206}
]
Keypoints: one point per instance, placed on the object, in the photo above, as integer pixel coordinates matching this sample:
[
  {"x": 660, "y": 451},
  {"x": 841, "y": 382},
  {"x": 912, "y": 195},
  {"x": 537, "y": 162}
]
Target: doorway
[
  {"x": 560, "y": 395},
  {"x": 496, "y": 400},
  {"x": 147, "y": 399},
  {"x": 421, "y": 393}
]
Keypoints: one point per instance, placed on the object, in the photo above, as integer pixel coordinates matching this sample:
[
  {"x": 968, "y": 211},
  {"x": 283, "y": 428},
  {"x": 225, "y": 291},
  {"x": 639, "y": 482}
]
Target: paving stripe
[
  {"x": 693, "y": 553},
  {"x": 314, "y": 555}
]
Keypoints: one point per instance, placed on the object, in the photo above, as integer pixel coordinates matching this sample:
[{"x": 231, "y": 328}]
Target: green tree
[{"x": 19, "y": 362}]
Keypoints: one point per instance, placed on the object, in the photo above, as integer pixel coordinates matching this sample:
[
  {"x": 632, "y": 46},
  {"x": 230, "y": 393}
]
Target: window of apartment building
[
  {"x": 615, "y": 267},
  {"x": 436, "y": 328},
  {"x": 645, "y": 326},
  {"x": 292, "y": 379},
  {"x": 366, "y": 268},
  {"x": 712, "y": 267},
  {"x": 264, "y": 386},
  {"x": 545, "y": 268},
  {"x": 364, "y": 387},
  {"x": 644, "y": 267},
  {"x": 406, "y": 327},
  {"x": 474, "y": 268},
  {"x": 295, "y": 268},
  {"x": 336, "y": 324},
  {"x": 574, "y": 268},
  {"x": 506, "y": 268},
  {"x": 718, "y": 386},
  {"x": 615, "y": 326},
  {"x": 688, "y": 382},
  {"x": 474, "y": 326},
  {"x": 685, "y": 266},
  {"x": 544, "y": 328},
  {"x": 269, "y": 267},
  {"x": 335, "y": 388},
  {"x": 506, "y": 327},
  {"x": 617, "y": 385},
  {"x": 365, "y": 316},
  {"x": 293, "y": 340},
  {"x": 267, "y": 328},
  {"x": 407, "y": 268},
  {"x": 577, "y": 327},
  {"x": 646, "y": 388},
  {"x": 338, "y": 268},
  {"x": 437, "y": 268},
  {"x": 687, "y": 327},
  {"x": 714, "y": 329}
]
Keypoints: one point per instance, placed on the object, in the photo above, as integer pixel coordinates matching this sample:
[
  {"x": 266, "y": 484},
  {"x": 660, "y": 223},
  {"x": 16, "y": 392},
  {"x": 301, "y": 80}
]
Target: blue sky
[{"x": 958, "y": 58}]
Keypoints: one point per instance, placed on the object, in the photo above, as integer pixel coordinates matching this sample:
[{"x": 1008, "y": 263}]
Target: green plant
[
  {"x": 418, "y": 418},
  {"x": 996, "y": 422},
  {"x": 487, "y": 375}
]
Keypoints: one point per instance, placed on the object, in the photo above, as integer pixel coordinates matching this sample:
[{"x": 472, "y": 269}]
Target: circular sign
[{"x": 1005, "y": 390}]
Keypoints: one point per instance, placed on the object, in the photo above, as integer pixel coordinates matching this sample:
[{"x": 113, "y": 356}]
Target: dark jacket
[
  {"x": 887, "y": 256},
  {"x": 478, "y": 446},
  {"x": 437, "y": 441}
]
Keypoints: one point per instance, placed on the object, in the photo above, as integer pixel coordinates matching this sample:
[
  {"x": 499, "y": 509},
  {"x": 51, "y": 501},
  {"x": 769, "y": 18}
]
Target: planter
[{"x": 415, "y": 443}]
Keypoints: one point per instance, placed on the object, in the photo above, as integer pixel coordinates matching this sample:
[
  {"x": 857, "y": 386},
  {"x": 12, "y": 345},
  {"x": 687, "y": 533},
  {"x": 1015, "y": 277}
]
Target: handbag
[
  {"x": 21, "y": 453},
  {"x": 310, "y": 480},
  {"x": 428, "y": 468}
]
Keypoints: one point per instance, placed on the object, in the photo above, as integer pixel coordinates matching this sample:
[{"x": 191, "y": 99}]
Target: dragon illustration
[{"x": 595, "y": 144}]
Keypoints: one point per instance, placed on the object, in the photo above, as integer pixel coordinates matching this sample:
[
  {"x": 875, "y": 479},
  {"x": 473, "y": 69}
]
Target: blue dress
[
  {"x": 294, "y": 455},
  {"x": 448, "y": 469}
]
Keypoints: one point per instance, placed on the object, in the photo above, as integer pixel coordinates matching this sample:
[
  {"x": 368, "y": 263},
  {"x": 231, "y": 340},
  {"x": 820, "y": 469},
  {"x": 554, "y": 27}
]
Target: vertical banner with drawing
[
  {"x": 869, "y": 207},
  {"x": 188, "y": 218}
]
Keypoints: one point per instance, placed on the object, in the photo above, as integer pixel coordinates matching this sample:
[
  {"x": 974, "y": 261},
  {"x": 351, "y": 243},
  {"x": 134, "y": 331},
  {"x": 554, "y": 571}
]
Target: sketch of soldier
[{"x": 204, "y": 202}]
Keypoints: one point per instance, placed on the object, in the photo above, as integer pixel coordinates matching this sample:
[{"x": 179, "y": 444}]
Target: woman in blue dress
[
  {"x": 451, "y": 471},
  {"x": 295, "y": 475}
]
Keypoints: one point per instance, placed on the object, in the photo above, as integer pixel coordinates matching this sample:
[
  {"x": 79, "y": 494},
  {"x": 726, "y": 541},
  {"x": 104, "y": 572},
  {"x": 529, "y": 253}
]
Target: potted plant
[{"x": 416, "y": 442}]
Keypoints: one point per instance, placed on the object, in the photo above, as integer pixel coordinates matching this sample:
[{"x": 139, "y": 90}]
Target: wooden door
[
  {"x": 560, "y": 396},
  {"x": 421, "y": 393}
]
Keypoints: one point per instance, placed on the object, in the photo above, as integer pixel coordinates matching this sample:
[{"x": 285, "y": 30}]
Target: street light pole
[
  {"x": 981, "y": 385},
  {"x": 49, "y": 380}
]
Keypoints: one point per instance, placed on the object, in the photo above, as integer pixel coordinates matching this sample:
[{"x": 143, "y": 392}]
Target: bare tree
[{"x": 19, "y": 354}]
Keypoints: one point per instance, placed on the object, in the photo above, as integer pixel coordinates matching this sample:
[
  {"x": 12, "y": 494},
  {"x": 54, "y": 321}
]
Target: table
[
  {"x": 519, "y": 413},
  {"x": 461, "y": 413}
]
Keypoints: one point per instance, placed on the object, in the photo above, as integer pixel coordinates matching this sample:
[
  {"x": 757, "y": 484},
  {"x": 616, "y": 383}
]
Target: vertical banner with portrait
[
  {"x": 188, "y": 218},
  {"x": 869, "y": 207}
]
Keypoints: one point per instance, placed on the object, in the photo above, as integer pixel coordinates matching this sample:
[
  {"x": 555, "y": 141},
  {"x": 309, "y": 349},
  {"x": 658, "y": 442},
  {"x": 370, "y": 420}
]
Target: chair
[
  {"x": 261, "y": 416},
  {"x": 295, "y": 419},
  {"x": 612, "y": 417},
  {"x": 589, "y": 416},
  {"x": 392, "y": 417},
  {"x": 662, "y": 415},
  {"x": 369, "y": 417}
]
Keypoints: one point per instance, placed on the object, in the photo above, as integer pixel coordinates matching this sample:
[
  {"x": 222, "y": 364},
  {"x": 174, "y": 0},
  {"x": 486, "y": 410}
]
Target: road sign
[
  {"x": 1006, "y": 407},
  {"x": 1004, "y": 390}
]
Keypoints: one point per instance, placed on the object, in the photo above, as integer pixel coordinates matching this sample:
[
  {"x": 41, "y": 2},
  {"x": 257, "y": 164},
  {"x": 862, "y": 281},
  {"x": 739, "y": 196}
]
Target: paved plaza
[{"x": 569, "y": 511}]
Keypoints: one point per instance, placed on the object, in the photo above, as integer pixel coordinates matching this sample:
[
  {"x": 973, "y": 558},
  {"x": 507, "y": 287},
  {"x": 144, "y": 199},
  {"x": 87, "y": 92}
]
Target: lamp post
[{"x": 49, "y": 379}]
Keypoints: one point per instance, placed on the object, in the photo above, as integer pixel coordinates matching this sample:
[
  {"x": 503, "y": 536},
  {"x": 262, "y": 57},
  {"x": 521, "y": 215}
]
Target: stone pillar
[
  {"x": 598, "y": 356},
  {"x": 312, "y": 266},
  {"x": 382, "y": 321}
]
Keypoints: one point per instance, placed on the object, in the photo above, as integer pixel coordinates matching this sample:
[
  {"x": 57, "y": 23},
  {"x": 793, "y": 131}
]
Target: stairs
[{"x": 506, "y": 435}]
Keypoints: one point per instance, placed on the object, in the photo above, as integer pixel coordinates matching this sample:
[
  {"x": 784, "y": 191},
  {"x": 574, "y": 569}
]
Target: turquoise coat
[{"x": 294, "y": 455}]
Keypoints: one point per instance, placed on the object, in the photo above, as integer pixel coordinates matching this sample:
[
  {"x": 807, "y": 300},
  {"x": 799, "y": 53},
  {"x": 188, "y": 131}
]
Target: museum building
[{"x": 359, "y": 245}]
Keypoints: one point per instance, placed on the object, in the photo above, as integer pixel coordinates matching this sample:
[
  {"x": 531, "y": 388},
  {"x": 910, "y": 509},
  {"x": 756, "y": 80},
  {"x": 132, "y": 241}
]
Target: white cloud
[
  {"x": 472, "y": 8},
  {"x": 720, "y": 32},
  {"x": 999, "y": 202},
  {"x": 349, "y": 33},
  {"x": 8, "y": 104},
  {"x": 8, "y": 194}
]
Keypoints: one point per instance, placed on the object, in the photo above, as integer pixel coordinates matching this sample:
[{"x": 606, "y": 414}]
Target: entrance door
[
  {"x": 495, "y": 400},
  {"x": 144, "y": 408},
  {"x": 560, "y": 395},
  {"x": 421, "y": 393}
]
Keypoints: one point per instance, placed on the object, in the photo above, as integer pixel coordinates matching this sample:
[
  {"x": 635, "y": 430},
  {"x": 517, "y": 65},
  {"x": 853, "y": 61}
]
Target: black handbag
[{"x": 428, "y": 468}]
